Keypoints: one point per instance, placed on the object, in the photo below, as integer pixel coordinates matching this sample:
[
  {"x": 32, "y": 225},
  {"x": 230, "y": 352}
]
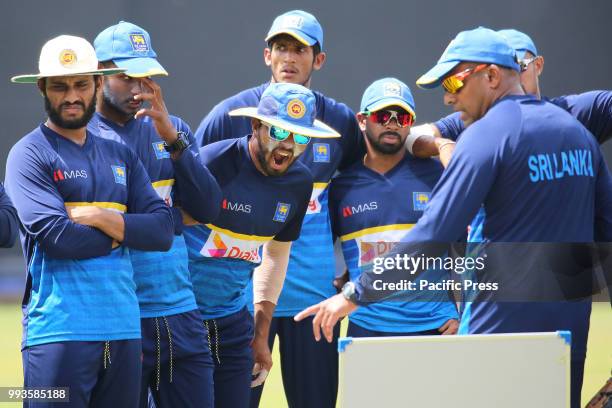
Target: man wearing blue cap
[
  {"x": 593, "y": 109},
  {"x": 496, "y": 163},
  {"x": 296, "y": 50},
  {"x": 82, "y": 202},
  {"x": 389, "y": 197},
  {"x": 177, "y": 365},
  {"x": 8, "y": 220},
  {"x": 265, "y": 191}
]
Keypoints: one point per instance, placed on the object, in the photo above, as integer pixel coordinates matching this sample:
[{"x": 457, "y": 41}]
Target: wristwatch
[
  {"x": 180, "y": 144},
  {"x": 348, "y": 291}
]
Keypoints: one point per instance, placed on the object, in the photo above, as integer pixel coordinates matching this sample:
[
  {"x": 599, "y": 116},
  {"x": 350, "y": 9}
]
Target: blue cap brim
[
  {"x": 141, "y": 67},
  {"x": 298, "y": 35},
  {"x": 386, "y": 102},
  {"x": 433, "y": 77},
  {"x": 318, "y": 128}
]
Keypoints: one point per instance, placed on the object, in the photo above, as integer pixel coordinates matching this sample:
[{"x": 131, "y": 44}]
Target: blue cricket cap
[
  {"x": 521, "y": 42},
  {"x": 299, "y": 24},
  {"x": 387, "y": 92},
  {"x": 291, "y": 107},
  {"x": 478, "y": 45},
  {"x": 129, "y": 47}
]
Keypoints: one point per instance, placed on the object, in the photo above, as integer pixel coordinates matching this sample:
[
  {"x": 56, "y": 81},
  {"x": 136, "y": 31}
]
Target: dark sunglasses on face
[{"x": 383, "y": 117}]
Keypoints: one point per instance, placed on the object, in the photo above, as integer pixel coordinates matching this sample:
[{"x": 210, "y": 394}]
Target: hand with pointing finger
[{"x": 326, "y": 315}]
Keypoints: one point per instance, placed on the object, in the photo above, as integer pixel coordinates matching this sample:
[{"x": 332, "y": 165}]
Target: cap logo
[
  {"x": 67, "y": 58},
  {"x": 293, "y": 22},
  {"x": 139, "y": 43},
  {"x": 296, "y": 109},
  {"x": 392, "y": 89}
]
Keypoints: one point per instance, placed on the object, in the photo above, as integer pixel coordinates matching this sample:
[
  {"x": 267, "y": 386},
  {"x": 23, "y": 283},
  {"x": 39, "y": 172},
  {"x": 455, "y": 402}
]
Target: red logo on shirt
[
  {"x": 58, "y": 175},
  {"x": 346, "y": 212}
]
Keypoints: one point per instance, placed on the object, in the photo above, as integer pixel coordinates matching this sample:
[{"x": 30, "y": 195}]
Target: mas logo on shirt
[
  {"x": 119, "y": 173},
  {"x": 139, "y": 43},
  {"x": 320, "y": 152},
  {"x": 235, "y": 206},
  {"x": 61, "y": 175},
  {"x": 282, "y": 211},
  {"x": 419, "y": 201},
  {"x": 160, "y": 151},
  {"x": 351, "y": 210}
]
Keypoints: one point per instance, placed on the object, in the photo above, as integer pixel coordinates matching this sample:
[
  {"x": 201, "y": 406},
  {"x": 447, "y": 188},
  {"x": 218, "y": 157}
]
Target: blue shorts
[
  {"x": 98, "y": 373},
  {"x": 230, "y": 339},
  {"x": 177, "y": 366},
  {"x": 309, "y": 368}
]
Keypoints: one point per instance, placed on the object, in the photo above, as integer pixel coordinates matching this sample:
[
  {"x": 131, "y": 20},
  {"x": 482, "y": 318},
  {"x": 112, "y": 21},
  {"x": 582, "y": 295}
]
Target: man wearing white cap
[
  {"x": 82, "y": 202},
  {"x": 177, "y": 364},
  {"x": 295, "y": 50},
  {"x": 265, "y": 191}
]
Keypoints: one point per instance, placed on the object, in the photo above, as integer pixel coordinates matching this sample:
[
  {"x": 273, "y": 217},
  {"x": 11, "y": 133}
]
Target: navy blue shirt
[
  {"x": 254, "y": 210},
  {"x": 77, "y": 287},
  {"x": 370, "y": 212},
  {"x": 8, "y": 220},
  {"x": 311, "y": 267}
]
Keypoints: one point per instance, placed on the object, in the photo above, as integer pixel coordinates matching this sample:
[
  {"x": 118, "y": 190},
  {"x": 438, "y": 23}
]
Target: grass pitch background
[{"x": 597, "y": 368}]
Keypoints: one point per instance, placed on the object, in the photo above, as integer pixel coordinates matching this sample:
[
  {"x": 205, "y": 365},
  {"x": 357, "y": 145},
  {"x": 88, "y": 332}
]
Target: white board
[{"x": 476, "y": 371}]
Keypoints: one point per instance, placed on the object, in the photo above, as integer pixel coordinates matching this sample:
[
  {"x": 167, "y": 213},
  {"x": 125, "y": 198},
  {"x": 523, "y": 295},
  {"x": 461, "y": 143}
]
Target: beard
[
  {"x": 385, "y": 148},
  {"x": 56, "y": 117},
  {"x": 112, "y": 102}
]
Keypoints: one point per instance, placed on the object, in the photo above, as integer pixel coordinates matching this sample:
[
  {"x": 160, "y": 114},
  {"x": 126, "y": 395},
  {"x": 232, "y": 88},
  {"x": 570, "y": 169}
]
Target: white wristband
[{"x": 417, "y": 132}]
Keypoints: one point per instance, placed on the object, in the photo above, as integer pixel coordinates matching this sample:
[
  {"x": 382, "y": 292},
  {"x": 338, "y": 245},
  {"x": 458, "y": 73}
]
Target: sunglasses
[
  {"x": 383, "y": 117},
  {"x": 524, "y": 63},
  {"x": 453, "y": 83},
  {"x": 279, "y": 135}
]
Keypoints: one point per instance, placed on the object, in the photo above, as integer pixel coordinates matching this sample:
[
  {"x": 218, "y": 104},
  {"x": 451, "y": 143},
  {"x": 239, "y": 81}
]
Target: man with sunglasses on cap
[
  {"x": 377, "y": 201},
  {"x": 8, "y": 220},
  {"x": 82, "y": 201},
  {"x": 177, "y": 366},
  {"x": 265, "y": 191},
  {"x": 593, "y": 109},
  {"x": 496, "y": 163},
  {"x": 294, "y": 52}
]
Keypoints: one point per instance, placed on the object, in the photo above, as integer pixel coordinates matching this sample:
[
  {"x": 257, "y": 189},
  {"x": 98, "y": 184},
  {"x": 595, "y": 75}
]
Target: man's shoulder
[
  {"x": 331, "y": 108},
  {"x": 244, "y": 98}
]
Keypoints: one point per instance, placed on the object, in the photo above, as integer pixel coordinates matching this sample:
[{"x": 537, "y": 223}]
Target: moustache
[
  {"x": 389, "y": 133},
  {"x": 71, "y": 104}
]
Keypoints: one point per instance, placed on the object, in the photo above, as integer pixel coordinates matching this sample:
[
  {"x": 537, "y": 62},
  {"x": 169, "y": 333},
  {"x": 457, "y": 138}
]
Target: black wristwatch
[
  {"x": 180, "y": 144},
  {"x": 348, "y": 291}
]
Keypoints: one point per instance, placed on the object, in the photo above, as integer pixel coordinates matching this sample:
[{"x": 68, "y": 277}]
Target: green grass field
[{"x": 597, "y": 370}]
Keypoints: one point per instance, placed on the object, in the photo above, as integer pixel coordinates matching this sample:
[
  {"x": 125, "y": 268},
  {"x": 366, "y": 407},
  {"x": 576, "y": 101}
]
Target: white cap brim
[{"x": 318, "y": 129}]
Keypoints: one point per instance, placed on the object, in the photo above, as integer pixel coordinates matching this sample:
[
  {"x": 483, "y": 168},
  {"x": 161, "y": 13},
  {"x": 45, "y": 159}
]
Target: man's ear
[
  {"x": 267, "y": 56},
  {"x": 494, "y": 75},
  {"x": 255, "y": 124},
  {"x": 319, "y": 60},
  {"x": 539, "y": 63},
  {"x": 41, "y": 83},
  {"x": 361, "y": 120}
]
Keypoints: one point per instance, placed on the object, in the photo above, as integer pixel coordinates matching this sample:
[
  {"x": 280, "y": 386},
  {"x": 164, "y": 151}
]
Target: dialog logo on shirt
[
  {"x": 119, "y": 173},
  {"x": 139, "y": 43},
  {"x": 235, "y": 206},
  {"x": 220, "y": 245},
  {"x": 282, "y": 211},
  {"x": 419, "y": 201},
  {"x": 160, "y": 151},
  {"x": 350, "y": 210},
  {"x": 314, "y": 205},
  {"x": 61, "y": 175},
  {"x": 320, "y": 152}
]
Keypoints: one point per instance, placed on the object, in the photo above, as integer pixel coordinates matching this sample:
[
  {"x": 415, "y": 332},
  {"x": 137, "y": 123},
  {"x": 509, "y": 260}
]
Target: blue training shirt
[
  {"x": 311, "y": 267},
  {"x": 78, "y": 288},
  {"x": 163, "y": 284},
  {"x": 8, "y": 220},
  {"x": 539, "y": 181},
  {"x": 254, "y": 210},
  {"x": 370, "y": 212}
]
